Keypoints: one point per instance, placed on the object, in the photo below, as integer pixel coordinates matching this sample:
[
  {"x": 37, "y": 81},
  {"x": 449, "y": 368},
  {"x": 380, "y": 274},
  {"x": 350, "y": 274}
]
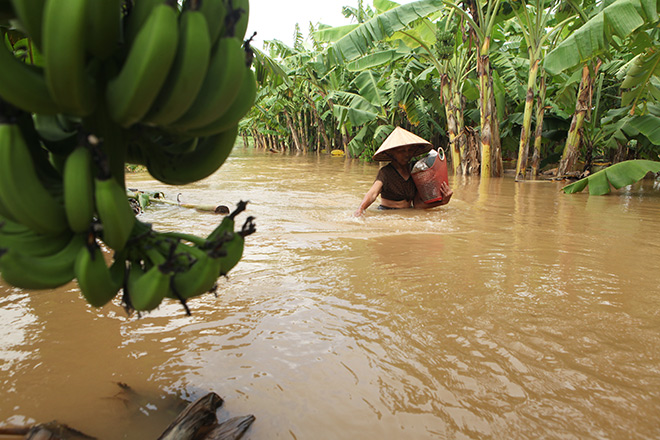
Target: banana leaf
[
  {"x": 639, "y": 79},
  {"x": 618, "y": 175},
  {"x": 376, "y": 59},
  {"x": 620, "y": 18},
  {"x": 357, "y": 42},
  {"x": 367, "y": 83},
  {"x": 649, "y": 126}
]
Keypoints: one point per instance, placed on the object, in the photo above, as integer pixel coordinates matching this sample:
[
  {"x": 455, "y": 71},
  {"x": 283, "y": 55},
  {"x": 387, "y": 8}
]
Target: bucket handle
[{"x": 441, "y": 153}]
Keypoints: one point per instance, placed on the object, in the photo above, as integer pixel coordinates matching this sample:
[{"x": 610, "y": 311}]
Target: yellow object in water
[{"x": 337, "y": 153}]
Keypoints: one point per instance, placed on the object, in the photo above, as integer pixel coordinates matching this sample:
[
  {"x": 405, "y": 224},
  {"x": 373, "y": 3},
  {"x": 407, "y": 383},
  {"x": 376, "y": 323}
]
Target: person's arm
[
  {"x": 446, "y": 193},
  {"x": 369, "y": 197}
]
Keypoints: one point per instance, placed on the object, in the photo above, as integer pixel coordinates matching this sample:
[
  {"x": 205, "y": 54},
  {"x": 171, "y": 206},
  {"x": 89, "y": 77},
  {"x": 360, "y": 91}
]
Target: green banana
[
  {"x": 78, "y": 183},
  {"x": 187, "y": 73},
  {"x": 239, "y": 108},
  {"x": 114, "y": 212},
  {"x": 239, "y": 17},
  {"x": 55, "y": 127},
  {"x": 45, "y": 171},
  {"x": 8, "y": 226},
  {"x": 199, "y": 277},
  {"x": 104, "y": 27},
  {"x": 30, "y": 13},
  {"x": 21, "y": 191},
  {"x": 43, "y": 272},
  {"x": 147, "y": 289},
  {"x": 204, "y": 160},
  {"x": 214, "y": 12},
  {"x": 98, "y": 283},
  {"x": 64, "y": 39},
  {"x": 221, "y": 86},
  {"x": 24, "y": 85},
  {"x": 231, "y": 243},
  {"x": 137, "y": 16},
  {"x": 4, "y": 212},
  {"x": 227, "y": 224},
  {"x": 165, "y": 142},
  {"x": 55, "y": 137},
  {"x": 234, "y": 249},
  {"x": 132, "y": 92},
  {"x": 21, "y": 238}
]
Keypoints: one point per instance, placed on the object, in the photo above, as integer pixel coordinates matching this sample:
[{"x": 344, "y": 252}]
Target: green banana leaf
[
  {"x": 358, "y": 41},
  {"x": 621, "y": 18},
  {"x": 618, "y": 175},
  {"x": 369, "y": 88},
  {"x": 357, "y": 144},
  {"x": 376, "y": 59},
  {"x": 640, "y": 77},
  {"x": 649, "y": 126},
  {"x": 354, "y": 108},
  {"x": 266, "y": 66}
]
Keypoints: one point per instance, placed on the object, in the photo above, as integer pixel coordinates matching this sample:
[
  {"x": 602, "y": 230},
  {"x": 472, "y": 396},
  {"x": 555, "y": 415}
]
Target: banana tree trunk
[
  {"x": 320, "y": 126},
  {"x": 292, "y": 130},
  {"x": 486, "y": 109},
  {"x": 344, "y": 139},
  {"x": 452, "y": 123},
  {"x": 496, "y": 165},
  {"x": 582, "y": 105},
  {"x": 523, "y": 148},
  {"x": 471, "y": 159},
  {"x": 302, "y": 133},
  {"x": 460, "y": 142},
  {"x": 540, "y": 113}
]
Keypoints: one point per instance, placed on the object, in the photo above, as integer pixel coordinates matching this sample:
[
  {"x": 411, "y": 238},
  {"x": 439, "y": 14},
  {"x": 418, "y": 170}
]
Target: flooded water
[{"x": 515, "y": 312}]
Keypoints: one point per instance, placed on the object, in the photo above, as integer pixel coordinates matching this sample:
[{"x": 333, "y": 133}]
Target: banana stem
[
  {"x": 199, "y": 241},
  {"x": 112, "y": 137}
]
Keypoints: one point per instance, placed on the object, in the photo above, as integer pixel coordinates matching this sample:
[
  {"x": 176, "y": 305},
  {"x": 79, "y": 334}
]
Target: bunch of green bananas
[
  {"x": 181, "y": 266},
  {"x": 105, "y": 83}
]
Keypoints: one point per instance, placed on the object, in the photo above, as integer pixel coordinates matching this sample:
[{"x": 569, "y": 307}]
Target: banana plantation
[{"x": 553, "y": 87}]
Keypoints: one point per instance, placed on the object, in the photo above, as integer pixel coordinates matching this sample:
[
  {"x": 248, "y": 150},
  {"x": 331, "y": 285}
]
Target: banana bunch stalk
[{"x": 152, "y": 82}]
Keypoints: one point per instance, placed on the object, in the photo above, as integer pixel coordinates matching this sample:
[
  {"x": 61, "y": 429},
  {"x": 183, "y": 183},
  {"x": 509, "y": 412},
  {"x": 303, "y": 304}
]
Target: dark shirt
[{"x": 395, "y": 187}]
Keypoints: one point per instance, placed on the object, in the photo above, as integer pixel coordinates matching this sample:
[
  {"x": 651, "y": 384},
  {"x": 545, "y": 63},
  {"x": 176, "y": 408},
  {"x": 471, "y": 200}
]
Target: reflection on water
[{"x": 513, "y": 312}]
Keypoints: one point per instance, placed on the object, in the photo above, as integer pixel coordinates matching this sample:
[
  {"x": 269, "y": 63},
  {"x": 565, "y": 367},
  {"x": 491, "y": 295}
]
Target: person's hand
[
  {"x": 446, "y": 192},
  {"x": 358, "y": 212}
]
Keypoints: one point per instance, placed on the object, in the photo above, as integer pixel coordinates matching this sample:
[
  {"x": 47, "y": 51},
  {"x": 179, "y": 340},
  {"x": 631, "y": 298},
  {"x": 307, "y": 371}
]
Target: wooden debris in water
[{"x": 198, "y": 421}]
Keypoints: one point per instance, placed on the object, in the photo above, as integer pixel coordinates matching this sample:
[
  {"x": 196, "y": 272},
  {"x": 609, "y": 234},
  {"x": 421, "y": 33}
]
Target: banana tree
[
  {"x": 538, "y": 132},
  {"x": 363, "y": 46},
  {"x": 534, "y": 23},
  {"x": 607, "y": 28},
  {"x": 457, "y": 69},
  {"x": 482, "y": 21}
]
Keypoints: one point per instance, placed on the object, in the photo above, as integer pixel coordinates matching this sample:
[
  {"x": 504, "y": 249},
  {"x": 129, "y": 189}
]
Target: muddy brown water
[{"x": 513, "y": 312}]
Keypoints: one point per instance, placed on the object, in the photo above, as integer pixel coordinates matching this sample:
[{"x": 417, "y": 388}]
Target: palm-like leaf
[
  {"x": 369, "y": 88},
  {"x": 618, "y": 175},
  {"x": 376, "y": 59},
  {"x": 621, "y": 18},
  {"x": 639, "y": 79},
  {"x": 358, "y": 40},
  {"x": 649, "y": 126},
  {"x": 266, "y": 66},
  {"x": 353, "y": 108}
]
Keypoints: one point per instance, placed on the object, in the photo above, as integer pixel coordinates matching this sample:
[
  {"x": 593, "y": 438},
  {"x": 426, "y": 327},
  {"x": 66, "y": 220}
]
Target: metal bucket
[{"x": 428, "y": 181}]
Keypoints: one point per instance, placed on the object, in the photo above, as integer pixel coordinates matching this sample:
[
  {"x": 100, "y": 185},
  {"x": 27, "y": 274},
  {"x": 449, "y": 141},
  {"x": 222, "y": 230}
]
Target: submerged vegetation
[{"x": 554, "y": 86}]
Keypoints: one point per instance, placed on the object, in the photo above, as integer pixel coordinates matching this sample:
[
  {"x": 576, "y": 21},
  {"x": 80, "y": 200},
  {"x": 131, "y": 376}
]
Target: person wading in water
[{"x": 394, "y": 183}]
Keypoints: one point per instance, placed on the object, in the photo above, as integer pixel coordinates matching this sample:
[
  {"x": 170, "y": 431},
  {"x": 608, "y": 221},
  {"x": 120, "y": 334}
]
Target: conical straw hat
[{"x": 401, "y": 137}]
